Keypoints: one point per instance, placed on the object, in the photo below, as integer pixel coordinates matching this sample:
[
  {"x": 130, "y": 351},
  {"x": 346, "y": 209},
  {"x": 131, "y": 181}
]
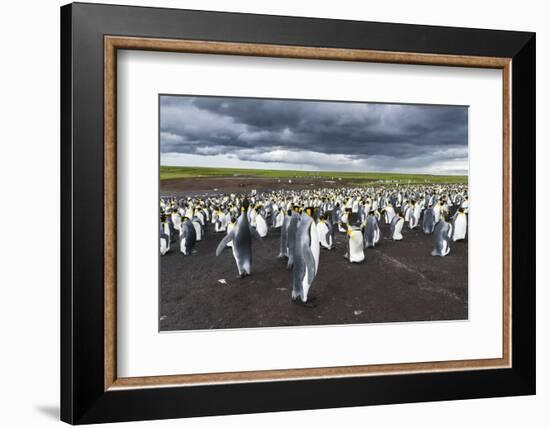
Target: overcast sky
[{"x": 313, "y": 135}]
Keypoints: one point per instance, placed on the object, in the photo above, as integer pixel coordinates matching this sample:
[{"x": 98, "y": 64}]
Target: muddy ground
[
  {"x": 213, "y": 185},
  {"x": 398, "y": 282}
]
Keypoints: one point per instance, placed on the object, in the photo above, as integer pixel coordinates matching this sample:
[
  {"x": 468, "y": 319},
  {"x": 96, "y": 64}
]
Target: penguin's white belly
[
  {"x": 261, "y": 226},
  {"x": 322, "y": 231},
  {"x": 182, "y": 246},
  {"x": 198, "y": 230},
  {"x": 236, "y": 257},
  {"x": 437, "y": 214},
  {"x": 306, "y": 282},
  {"x": 356, "y": 253},
  {"x": 413, "y": 222},
  {"x": 279, "y": 221},
  {"x": 460, "y": 227},
  {"x": 315, "y": 245},
  {"x": 397, "y": 236},
  {"x": 229, "y": 229},
  {"x": 344, "y": 220},
  {"x": 200, "y": 218},
  {"x": 164, "y": 246}
]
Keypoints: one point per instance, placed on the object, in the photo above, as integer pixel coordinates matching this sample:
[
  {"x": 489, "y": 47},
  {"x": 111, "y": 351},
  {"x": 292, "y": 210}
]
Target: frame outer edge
[
  {"x": 524, "y": 232},
  {"x": 82, "y": 402},
  {"x": 66, "y": 218}
]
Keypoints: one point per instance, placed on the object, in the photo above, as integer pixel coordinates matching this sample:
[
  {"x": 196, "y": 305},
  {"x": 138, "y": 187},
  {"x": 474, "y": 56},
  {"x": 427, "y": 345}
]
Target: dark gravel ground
[
  {"x": 183, "y": 187},
  {"x": 398, "y": 282}
]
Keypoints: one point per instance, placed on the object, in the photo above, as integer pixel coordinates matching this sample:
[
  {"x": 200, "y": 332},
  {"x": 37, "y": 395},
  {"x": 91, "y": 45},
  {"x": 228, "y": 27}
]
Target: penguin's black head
[
  {"x": 289, "y": 211},
  {"x": 246, "y": 204}
]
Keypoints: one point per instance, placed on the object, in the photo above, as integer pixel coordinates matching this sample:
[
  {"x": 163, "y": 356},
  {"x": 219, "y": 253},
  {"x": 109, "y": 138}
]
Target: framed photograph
[{"x": 266, "y": 213}]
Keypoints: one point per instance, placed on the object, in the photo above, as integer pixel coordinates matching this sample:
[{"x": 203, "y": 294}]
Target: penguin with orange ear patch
[
  {"x": 241, "y": 237},
  {"x": 355, "y": 245}
]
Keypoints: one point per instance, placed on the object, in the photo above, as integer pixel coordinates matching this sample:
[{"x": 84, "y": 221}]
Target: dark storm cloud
[{"x": 415, "y": 136}]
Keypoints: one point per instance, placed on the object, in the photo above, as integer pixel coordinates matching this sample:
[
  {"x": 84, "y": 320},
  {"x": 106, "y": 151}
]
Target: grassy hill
[{"x": 173, "y": 172}]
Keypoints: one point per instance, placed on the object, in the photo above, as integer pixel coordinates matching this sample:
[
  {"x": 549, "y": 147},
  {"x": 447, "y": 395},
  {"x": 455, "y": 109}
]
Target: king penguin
[
  {"x": 292, "y": 231},
  {"x": 241, "y": 235},
  {"x": 261, "y": 225},
  {"x": 428, "y": 222},
  {"x": 230, "y": 227},
  {"x": 355, "y": 244},
  {"x": 460, "y": 225},
  {"x": 279, "y": 219},
  {"x": 415, "y": 215},
  {"x": 324, "y": 229},
  {"x": 442, "y": 237},
  {"x": 306, "y": 257},
  {"x": 389, "y": 214},
  {"x": 198, "y": 228},
  {"x": 372, "y": 231},
  {"x": 164, "y": 237},
  {"x": 188, "y": 237},
  {"x": 283, "y": 243},
  {"x": 396, "y": 227}
]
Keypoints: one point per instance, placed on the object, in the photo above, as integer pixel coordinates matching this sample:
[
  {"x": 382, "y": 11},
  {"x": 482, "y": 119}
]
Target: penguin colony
[{"x": 308, "y": 220}]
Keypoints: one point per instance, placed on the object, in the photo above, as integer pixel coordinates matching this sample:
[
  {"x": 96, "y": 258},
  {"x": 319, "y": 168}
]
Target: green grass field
[{"x": 173, "y": 172}]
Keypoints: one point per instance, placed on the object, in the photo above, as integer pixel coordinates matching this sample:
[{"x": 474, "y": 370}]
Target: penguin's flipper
[
  {"x": 310, "y": 270},
  {"x": 221, "y": 246}
]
